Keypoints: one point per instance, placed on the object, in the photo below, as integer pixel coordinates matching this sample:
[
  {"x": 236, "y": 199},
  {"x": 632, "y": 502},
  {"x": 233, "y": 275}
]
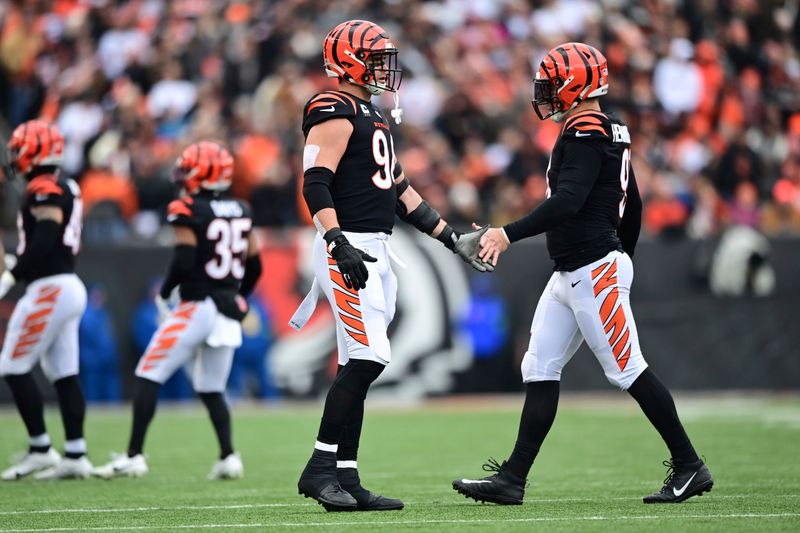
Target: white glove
[
  {"x": 163, "y": 308},
  {"x": 11, "y": 261},
  {"x": 6, "y": 282}
]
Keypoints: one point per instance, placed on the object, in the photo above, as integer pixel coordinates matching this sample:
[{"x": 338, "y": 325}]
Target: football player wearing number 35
[
  {"x": 353, "y": 186},
  {"x": 591, "y": 216},
  {"x": 215, "y": 267},
  {"x": 44, "y": 324}
]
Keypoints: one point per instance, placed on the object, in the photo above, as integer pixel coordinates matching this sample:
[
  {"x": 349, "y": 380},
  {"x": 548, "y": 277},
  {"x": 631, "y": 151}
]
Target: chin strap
[{"x": 397, "y": 112}]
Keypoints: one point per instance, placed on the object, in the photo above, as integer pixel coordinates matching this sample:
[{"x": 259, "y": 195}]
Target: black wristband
[
  {"x": 334, "y": 237},
  {"x": 449, "y": 237},
  {"x": 424, "y": 218}
]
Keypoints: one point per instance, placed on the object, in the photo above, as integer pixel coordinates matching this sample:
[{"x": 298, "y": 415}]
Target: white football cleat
[
  {"x": 30, "y": 463},
  {"x": 122, "y": 465},
  {"x": 79, "y": 468},
  {"x": 229, "y": 468}
]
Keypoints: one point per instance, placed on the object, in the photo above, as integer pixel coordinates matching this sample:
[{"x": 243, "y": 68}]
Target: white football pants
[
  {"x": 592, "y": 304},
  {"x": 197, "y": 335},
  {"x": 44, "y": 326},
  {"x": 362, "y": 317}
]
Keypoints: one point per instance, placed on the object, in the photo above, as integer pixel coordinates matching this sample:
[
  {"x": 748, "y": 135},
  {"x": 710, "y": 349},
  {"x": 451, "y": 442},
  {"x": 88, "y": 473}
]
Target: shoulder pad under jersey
[
  {"x": 43, "y": 190},
  {"x": 588, "y": 125},
  {"x": 179, "y": 212},
  {"x": 327, "y": 105}
]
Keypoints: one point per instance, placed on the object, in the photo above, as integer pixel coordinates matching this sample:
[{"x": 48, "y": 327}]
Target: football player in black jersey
[
  {"x": 44, "y": 324},
  {"x": 215, "y": 267},
  {"x": 353, "y": 187},
  {"x": 591, "y": 216}
]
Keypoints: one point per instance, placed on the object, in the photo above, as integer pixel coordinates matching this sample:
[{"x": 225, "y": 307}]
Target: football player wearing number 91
[
  {"x": 353, "y": 186},
  {"x": 44, "y": 324},
  {"x": 215, "y": 267},
  {"x": 591, "y": 215}
]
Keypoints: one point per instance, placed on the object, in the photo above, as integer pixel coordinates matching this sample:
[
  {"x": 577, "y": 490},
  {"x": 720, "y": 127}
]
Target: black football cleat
[
  {"x": 682, "y": 483},
  {"x": 319, "y": 481},
  {"x": 502, "y": 487},
  {"x": 366, "y": 500}
]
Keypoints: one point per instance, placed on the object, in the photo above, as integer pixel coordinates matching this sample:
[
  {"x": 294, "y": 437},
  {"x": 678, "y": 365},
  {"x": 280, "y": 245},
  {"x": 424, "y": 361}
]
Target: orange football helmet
[
  {"x": 204, "y": 165},
  {"x": 569, "y": 74},
  {"x": 360, "y": 52},
  {"x": 33, "y": 144}
]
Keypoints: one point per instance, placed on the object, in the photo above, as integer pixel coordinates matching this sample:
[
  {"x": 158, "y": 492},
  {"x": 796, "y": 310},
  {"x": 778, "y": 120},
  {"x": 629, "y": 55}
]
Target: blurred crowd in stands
[{"x": 710, "y": 89}]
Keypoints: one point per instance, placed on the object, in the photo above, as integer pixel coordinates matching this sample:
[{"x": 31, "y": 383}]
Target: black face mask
[
  {"x": 545, "y": 99},
  {"x": 385, "y": 61}
]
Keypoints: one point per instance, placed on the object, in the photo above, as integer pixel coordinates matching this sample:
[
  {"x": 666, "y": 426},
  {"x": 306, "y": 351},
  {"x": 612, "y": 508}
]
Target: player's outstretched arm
[
  {"x": 325, "y": 145},
  {"x": 413, "y": 209}
]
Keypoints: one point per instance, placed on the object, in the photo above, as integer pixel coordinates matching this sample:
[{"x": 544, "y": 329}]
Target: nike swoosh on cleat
[
  {"x": 475, "y": 481},
  {"x": 683, "y": 489}
]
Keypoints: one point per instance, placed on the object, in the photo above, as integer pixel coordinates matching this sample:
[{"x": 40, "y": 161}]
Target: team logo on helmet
[
  {"x": 360, "y": 52},
  {"x": 33, "y": 144},
  {"x": 569, "y": 74},
  {"x": 204, "y": 165}
]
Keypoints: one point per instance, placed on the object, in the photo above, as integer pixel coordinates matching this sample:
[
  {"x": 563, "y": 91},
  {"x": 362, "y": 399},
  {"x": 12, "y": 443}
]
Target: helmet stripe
[
  {"x": 364, "y": 34},
  {"x": 555, "y": 64},
  {"x": 589, "y": 73}
]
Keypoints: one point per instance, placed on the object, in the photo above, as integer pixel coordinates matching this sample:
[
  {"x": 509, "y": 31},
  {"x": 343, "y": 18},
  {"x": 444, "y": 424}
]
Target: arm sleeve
[
  {"x": 631, "y": 222},
  {"x": 317, "y": 183},
  {"x": 182, "y": 263},
  {"x": 44, "y": 240},
  {"x": 579, "y": 170},
  {"x": 252, "y": 271}
]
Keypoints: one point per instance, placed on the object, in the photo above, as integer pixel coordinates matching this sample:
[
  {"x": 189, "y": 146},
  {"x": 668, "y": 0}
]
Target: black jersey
[
  {"x": 592, "y": 204},
  {"x": 363, "y": 188},
  {"x": 49, "y": 190},
  {"x": 222, "y": 226}
]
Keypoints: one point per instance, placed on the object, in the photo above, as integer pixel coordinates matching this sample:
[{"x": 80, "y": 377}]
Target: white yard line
[
  {"x": 278, "y": 505},
  {"x": 591, "y": 518}
]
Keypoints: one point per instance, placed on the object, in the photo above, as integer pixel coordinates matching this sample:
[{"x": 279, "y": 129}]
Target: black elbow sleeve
[
  {"x": 317, "y": 189},
  {"x": 424, "y": 218}
]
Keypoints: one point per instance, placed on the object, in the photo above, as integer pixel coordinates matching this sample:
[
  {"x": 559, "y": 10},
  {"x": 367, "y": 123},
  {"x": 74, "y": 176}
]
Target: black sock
[
  {"x": 657, "y": 404},
  {"x": 538, "y": 413},
  {"x": 348, "y": 390},
  {"x": 73, "y": 410},
  {"x": 221, "y": 418},
  {"x": 145, "y": 398},
  {"x": 348, "y": 444},
  {"x": 30, "y": 405}
]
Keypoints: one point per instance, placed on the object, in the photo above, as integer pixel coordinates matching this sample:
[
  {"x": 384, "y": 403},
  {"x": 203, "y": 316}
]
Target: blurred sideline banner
[{"x": 460, "y": 331}]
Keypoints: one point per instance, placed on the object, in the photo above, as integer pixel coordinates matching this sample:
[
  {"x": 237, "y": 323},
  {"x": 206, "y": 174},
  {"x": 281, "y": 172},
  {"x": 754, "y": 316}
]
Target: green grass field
[{"x": 599, "y": 460}]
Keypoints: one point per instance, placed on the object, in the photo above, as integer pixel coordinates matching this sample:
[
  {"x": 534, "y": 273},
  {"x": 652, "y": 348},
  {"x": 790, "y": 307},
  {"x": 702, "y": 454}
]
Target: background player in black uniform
[
  {"x": 592, "y": 216},
  {"x": 44, "y": 324},
  {"x": 216, "y": 266},
  {"x": 353, "y": 188}
]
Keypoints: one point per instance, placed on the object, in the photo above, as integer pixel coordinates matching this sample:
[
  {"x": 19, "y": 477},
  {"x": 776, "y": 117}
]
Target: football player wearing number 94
[
  {"x": 591, "y": 215},
  {"x": 353, "y": 186},
  {"x": 215, "y": 267},
  {"x": 44, "y": 324}
]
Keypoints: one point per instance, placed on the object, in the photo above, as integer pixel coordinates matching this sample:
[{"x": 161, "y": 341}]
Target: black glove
[
  {"x": 466, "y": 245},
  {"x": 349, "y": 259}
]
